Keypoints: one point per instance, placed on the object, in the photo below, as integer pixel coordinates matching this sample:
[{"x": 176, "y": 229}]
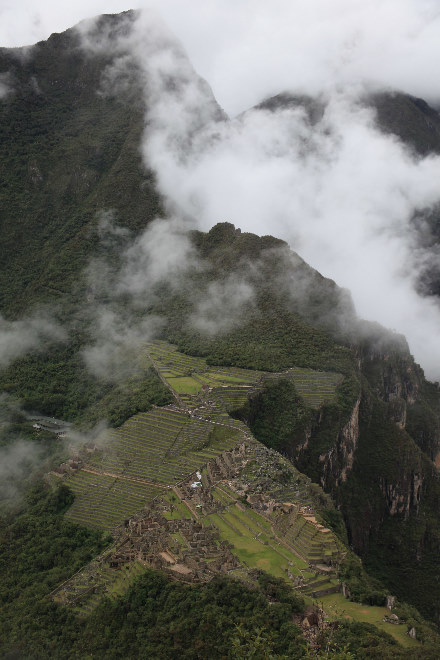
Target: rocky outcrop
[
  {"x": 404, "y": 496},
  {"x": 338, "y": 461}
]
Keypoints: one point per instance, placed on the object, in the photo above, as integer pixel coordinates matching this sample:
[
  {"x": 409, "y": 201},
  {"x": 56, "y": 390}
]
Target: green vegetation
[
  {"x": 57, "y": 383},
  {"x": 315, "y": 387},
  {"x": 387, "y": 450},
  {"x": 185, "y": 385},
  {"x": 204, "y": 617},
  {"x": 180, "y": 508},
  {"x": 138, "y": 393},
  {"x": 361, "y": 621},
  {"x": 160, "y": 619},
  {"x": 104, "y": 502},
  {"x": 177, "y": 368},
  {"x": 410, "y": 118},
  {"x": 250, "y": 551},
  {"x": 98, "y": 581},
  {"x": 67, "y": 153},
  {"x": 150, "y": 452},
  {"x": 362, "y": 587},
  {"x": 258, "y": 544},
  {"x": 39, "y": 549},
  {"x": 277, "y": 416},
  {"x": 144, "y": 613}
]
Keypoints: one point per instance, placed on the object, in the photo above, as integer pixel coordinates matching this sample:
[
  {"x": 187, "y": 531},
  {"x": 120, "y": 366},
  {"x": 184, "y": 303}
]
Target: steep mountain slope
[
  {"x": 409, "y": 118},
  {"x": 70, "y": 131},
  {"x": 67, "y": 152},
  {"x": 235, "y": 299}
]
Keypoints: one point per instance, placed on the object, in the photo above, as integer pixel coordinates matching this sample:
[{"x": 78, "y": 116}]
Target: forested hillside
[{"x": 70, "y": 148}]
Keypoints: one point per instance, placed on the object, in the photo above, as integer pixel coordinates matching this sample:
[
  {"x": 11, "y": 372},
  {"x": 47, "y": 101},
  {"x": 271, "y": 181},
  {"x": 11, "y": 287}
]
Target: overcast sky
[{"x": 248, "y": 49}]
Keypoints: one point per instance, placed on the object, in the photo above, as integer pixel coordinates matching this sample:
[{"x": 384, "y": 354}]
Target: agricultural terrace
[
  {"x": 192, "y": 379},
  {"x": 254, "y": 544},
  {"x": 223, "y": 389},
  {"x": 259, "y": 543},
  {"x": 307, "y": 537},
  {"x": 103, "y": 501},
  {"x": 149, "y": 453},
  {"x": 159, "y": 448},
  {"x": 85, "y": 589},
  {"x": 315, "y": 387}
]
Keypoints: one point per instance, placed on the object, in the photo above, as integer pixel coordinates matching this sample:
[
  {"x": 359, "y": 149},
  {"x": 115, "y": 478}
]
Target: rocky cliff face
[
  {"x": 338, "y": 461},
  {"x": 405, "y": 496}
]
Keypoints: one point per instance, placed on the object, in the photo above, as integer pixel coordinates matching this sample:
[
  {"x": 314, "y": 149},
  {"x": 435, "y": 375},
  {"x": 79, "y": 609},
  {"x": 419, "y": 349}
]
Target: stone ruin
[
  {"x": 185, "y": 548},
  {"x": 72, "y": 465},
  {"x": 246, "y": 469},
  {"x": 77, "y": 461},
  {"x": 312, "y": 622},
  {"x": 148, "y": 539}
]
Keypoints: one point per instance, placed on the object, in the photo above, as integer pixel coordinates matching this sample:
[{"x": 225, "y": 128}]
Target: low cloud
[
  {"x": 342, "y": 193},
  {"x": 124, "y": 284},
  {"x": 10, "y": 411},
  {"x": 6, "y": 87},
  {"x": 223, "y": 306},
  {"x": 118, "y": 339},
  {"x": 253, "y": 48},
  {"x": 109, "y": 232},
  {"x": 17, "y": 462},
  {"x": 29, "y": 334},
  {"x": 338, "y": 190},
  {"x": 329, "y": 182},
  {"x": 162, "y": 253},
  {"x": 76, "y": 440},
  {"x": 257, "y": 49},
  {"x": 18, "y": 457}
]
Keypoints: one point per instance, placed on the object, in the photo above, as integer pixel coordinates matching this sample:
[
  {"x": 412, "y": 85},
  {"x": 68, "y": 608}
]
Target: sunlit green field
[{"x": 185, "y": 385}]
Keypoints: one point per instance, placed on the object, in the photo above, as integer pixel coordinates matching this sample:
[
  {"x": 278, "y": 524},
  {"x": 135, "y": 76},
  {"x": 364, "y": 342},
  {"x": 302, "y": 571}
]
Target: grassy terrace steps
[
  {"x": 173, "y": 364},
  {"x": 229, "y": 398},
  {"x": 315, "y": 387},
  {"x": 104, "y": 502},
  {"x": 311, "y": 541},
  {"x": 150, "y": 452},
  {"x": 196, "y": 383},
  {"x": 169, "y": 359},
  {"x": 222, "y": 495},
  {"x": 108, "y": 583},
  {"x": 254, "y": 523},
  {"x": 214, "y": 391},
  {"x": 249, "y": 523},
  {"x": 298, "y": 493},
  {"x": 258, "y": 545},
  {"x": 237, "y": 529},
  {"x": 252, "y": 547},
  {"x": 156, "y": 450}
]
